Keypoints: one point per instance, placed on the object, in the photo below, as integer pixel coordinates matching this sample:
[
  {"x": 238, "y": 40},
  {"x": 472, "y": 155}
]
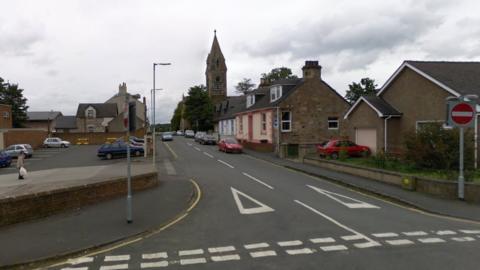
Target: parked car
[
  {"x": 179, "y": 133},
  {"x": 15, "y": 150},
  {"x": 167, "y": 136},
  {"x": 199, "y": 135},
  {"x": 55, "y": 142},
  {"x": 208, "y": 139},
  {"x": 189, "y": 134},
  {"x": 5, "y": 159},
  {"x": 230, "y": 145},
  {"x": 332, "y": 148},
  {"x": 118, "y": 149}
]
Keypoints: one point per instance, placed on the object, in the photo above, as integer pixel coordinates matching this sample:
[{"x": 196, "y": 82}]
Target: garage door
[{"x": 367, "y": 137}]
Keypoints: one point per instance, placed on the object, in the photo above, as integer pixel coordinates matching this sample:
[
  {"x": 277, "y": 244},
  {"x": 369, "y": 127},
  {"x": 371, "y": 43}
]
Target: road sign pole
[
  {"x": 129, "y": 173},
  {"x": 461, "y": 179}
]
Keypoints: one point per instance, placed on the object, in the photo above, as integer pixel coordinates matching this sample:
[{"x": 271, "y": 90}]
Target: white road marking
[
  {"x": 192, "y": 261},
  {"x": 367, "y": 245},
  {"x": 189, "y": 144},
  {"x": 114, "y": 267},
  {"x": 221, "y": 249},
  {"x": 352, "y": 237},
  {"x": 117, "y": 258},
  {"x": 169, "y": 167},
  {"x": 80, "y": 260},
  {"x": 334, "y": 248},
  {"x": 234, "y": 257},
  {"x": 256, "y": 245},
  {"x": 322, "y": 240},
  {"x": 159, "y": 255},
  {"x": 463, "y": 239},
  {"x": 154, "y": 264},
  {"x": 75, "y": 268},
  {"x": 300, "y": 251},
  {"x": 259, "y": 254},
  {"x": 385, "y": 235},
  {"x": 399, "y": 242},
  {"x": 190, "y": 252},
  {"x": 290, "y": 243},
  {"x": 262, "y": 208},
  {"x": 207, "y": 154},
  {"x": 334, "y": 221},
  {"x": 225, "y": 163},
  {"x": 416, "y": 233},
  {"x": 259, "y": 181},
  {"x": 196, "y": 148},
  {"x": 334, "y": 196},
  {"x": 470, "y": 231},
  {"x": 447, "y": 232},
  {"x": 431, "y": 240}
]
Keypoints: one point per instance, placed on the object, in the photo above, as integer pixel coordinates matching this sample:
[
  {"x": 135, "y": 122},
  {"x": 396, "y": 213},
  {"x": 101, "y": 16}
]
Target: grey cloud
[
  {"x": 52, "y": 73},
  {"x": 19, "y": 38}
]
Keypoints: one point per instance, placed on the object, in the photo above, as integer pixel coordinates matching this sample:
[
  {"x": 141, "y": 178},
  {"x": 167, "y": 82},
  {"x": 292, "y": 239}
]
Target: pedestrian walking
[{"x": 20, "y": 164}]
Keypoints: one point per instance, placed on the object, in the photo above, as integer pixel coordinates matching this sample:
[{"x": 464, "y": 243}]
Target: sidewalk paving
[
  {"x": 428, "y": 203},
  {"x": 90, "y": 226}
]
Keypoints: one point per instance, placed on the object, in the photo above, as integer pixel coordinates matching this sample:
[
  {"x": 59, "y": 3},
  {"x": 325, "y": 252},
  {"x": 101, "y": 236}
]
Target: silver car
[
  {"x": 55, "y": 142},
  {"x": 16, "y": 149}
]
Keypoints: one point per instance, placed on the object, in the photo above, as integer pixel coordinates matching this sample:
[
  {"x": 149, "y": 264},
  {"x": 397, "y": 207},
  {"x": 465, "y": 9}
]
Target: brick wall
[{"x": 34, "y": 137}]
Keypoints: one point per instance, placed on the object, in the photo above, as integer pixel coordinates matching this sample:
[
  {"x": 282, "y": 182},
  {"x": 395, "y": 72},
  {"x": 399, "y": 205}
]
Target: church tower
[{"x": 216, "y": 73}]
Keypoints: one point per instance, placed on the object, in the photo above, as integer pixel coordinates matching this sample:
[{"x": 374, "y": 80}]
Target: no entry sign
[{"x": 462, "y": 114}]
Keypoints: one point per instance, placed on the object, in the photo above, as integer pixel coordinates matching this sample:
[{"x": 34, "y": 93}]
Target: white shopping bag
[{"x": 23, "y": 171}]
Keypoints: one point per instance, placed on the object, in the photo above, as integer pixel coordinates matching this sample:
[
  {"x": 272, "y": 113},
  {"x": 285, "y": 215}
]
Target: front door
[{"x": 250, "y": 127}]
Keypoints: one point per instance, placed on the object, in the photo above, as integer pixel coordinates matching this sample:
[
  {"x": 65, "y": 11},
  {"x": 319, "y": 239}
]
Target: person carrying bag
[{"x": 20, "y": 166}]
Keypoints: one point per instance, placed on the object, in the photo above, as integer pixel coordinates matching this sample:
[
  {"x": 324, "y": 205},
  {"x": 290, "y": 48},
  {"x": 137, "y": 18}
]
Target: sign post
[
  {"x": 461, "y": 114},
  {"x": 126, "y": 123}
]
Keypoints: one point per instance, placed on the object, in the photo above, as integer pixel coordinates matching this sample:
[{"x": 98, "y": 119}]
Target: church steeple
[{"x": 216, "y": 72}]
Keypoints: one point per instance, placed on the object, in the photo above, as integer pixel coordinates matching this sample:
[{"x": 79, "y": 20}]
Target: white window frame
[
  {"x": 289, "y": 121},
  {"x": 92, "y": 111},
  {"x": 6, "y": 115},
  {"x": 250, "y": 100},
  {"x": 275, "y": 93},
  {"x": 263, "y": 122},
  {"x": 329, "y": 120}
]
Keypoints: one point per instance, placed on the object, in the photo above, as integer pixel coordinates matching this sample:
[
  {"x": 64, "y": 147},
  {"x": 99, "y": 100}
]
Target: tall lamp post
[{"x": 153, "y": 111}]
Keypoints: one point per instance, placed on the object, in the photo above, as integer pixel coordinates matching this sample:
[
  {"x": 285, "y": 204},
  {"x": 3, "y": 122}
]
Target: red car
[
  {"x": 229, "y": 145},
  {"x": 332, "y": 148}
]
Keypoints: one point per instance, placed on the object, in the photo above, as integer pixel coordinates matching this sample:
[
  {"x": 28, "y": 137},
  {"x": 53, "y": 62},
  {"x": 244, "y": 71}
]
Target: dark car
[
  {"x": 208, "y": 139},
  {"x": 199, "y": 135},
  {"x": 230, "y": 145},
  {"x": 332, "y": 148},
  {"x": 118, "y": 149},
  {"x": 5, "y": 159}
]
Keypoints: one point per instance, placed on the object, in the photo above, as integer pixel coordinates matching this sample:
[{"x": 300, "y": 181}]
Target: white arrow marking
[
  {"x": 262, "y": 208},
  {"x": 334, "y": 196}
]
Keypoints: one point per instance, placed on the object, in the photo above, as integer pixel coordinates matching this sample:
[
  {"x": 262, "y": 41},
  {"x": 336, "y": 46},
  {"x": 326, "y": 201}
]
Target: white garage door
[{"x": 367, "y": 137}]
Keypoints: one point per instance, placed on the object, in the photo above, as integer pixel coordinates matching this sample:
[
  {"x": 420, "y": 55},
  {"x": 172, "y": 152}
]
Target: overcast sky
[{"x": 68, "y": 52}]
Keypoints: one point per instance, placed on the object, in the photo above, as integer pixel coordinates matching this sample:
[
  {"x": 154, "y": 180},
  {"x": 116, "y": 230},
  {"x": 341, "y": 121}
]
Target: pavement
[{"x": 425, "y": 202}]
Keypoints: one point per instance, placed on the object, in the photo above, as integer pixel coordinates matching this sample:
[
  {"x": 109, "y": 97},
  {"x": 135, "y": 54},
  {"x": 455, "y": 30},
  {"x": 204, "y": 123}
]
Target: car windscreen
[{"x": 231, "y": 141}]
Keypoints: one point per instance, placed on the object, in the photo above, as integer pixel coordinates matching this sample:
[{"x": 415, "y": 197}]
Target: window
[
  {"x": 286, "y": 121},
  {"x": 6, "y": 115},
  {"x": 232, "y": 127},
  {"x": 264, "y": 123},
  {"x": 90, "y": 113},
  {"x": 240, "y": 123},
  {"x": 250, "y": 100},
  {"x": 91, "y": 128},
  {"x": 275, "y": 93},
  {"x": 332, "y": 122}
]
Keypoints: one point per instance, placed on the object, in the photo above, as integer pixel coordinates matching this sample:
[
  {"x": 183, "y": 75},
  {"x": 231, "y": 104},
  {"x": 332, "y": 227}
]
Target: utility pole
[
  {"x": 129, "y": 172},
  {"x": 153, "y": 116}
]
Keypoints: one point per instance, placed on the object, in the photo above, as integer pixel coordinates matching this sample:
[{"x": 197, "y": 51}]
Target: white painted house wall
[{"x": 227, "y": 127}]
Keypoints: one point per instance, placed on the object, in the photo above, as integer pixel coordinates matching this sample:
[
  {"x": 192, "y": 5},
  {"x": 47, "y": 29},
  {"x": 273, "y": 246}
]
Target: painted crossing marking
[
  {"x": 259, "y": 181},
  {"x": 234, "y": 257},
  {"x": 334, "y": 248},
  {"x": 446, "y": 232},
  {"x": 299, "y": 251},
  {"x": 225, "y": 163},
  {"x": 335, "y": 196},
  {"x": 114, "y": 267},
  {"x": 385, "y": 235},
  {"x": 196, "y": 148},
  {"x": 221, "y": 249},
  {"x": 261, "y": 208},
  {"x": 189, "y": 144},
  {"x": 75, "y": 268},
  {"x": 352, "y": 237},
  {"x": 290, "y": 243},
  {"x": 416, "y": 233},
  {"x": 80, "y": 260},
  {"x": 260, "y": 254},
  {"x": 154, "y": 264},
  {"x": 322, "y": 240},
  {"x": 463, "y": 239},
  {"x": 207, "y": 154},
  {"x": 470, "y": 231},
  {"x": 159, "y": 255},
  {"x": 190, "y": 252},
  {"x": 117, "y": 258},
  {"x": 399, "y": 242},
  {"x": 431, "y": 240},
  {"x": 256, "y": 245},
  {"x": 193, "y": 261},
  {"x": 367, "y": 244}
]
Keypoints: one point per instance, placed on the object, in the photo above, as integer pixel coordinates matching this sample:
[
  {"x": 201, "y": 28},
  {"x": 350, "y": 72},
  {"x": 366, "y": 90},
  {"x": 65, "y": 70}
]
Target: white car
[{"x": 55, "y": 142}]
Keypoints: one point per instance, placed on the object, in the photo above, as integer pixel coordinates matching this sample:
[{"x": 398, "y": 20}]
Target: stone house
[
  {"x": 97, "y": 117},
  {"x": 66, "y": 124},
  {"x": 45, "y": 120},
  {"x": 414, "y": 95},
  {"x": 224, "y": 115},
  {"x": 119, "y": 99},
  {"x": 291, "y": 116},
  {"x": 6, "y": 120}
]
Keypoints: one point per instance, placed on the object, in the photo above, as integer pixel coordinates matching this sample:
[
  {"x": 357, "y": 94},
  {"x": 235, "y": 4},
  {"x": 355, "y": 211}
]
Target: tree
[
  {"x": 279, "y": 73},
  {"x": 366, "y": 87},
  {"x": 11, "y": 95},
  {"x": 177, "y": 117},
  {"x": 245, "y": 86},
  {"x": 199, "y": 108}
]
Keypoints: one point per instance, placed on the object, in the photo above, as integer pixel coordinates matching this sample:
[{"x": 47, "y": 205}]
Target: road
[{"x": 256, "y": 215}]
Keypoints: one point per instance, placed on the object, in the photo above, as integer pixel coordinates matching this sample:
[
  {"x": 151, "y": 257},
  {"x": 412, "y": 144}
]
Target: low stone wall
[
  {"x": 33, "y": 206},
  {"x": 34, "y": 137},
  {"x": 260, "y": 147},
  {"x": 440, "y": 188}
]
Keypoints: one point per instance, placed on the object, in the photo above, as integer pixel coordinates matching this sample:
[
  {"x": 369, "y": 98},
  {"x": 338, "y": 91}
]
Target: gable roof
[
  {"x": 380, "y": 106},
  {"x": 102, "y": 109},
  {"x": 66, "y": 122},
  {"x": 262, "y": 94},
  {"x": 43, "y": 115},
  {"x": 229, "y": 107}
]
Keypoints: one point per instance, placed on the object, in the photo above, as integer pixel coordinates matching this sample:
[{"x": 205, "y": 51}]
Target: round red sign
[{"x": 462, "y": 113}]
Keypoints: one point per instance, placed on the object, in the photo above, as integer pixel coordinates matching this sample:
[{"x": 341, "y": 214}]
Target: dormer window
[
  {"x": 250, "y": 100},
  {"x": 90, "y": 113},
  {"x": 275, "y": 93}
]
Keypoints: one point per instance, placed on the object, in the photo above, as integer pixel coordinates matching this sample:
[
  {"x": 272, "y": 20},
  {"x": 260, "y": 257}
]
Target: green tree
[
  {"x": 245, "y": 86},
  {"x": 199, "y": 108},
  {"x": 366, "y": 87},
  {"x": 279, "y": 73},
  {"x": 177, "y": 117},
  {"x": 11, "y": 95}
]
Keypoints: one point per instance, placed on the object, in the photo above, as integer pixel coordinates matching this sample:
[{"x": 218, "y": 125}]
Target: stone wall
[{"x": 34, "y": 137}]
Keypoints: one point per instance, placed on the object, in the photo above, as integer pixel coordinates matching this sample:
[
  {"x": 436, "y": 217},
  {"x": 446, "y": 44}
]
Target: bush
[{"x": 434, "y": 147}]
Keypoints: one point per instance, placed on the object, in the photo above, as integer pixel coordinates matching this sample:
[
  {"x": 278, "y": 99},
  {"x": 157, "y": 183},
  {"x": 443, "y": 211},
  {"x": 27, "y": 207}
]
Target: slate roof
[
  {"x": 103, "y": 109},
  {"x": 43, "y": 115},
  {"x": 229, "y": 107},
  {"x": 262, "y": 95},
  {"x": 66, "y": 122},
  {"x": 382, "y": 106}
]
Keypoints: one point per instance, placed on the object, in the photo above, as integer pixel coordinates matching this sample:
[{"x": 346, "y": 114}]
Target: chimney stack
[
  {"x": 312, "y": 70},
  {"x": 122, "y": 89},
  {"x": 264, "y": 82}
]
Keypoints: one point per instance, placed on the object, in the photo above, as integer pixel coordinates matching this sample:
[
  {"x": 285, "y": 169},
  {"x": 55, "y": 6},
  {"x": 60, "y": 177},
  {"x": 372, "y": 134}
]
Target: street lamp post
[{"x": 153, "y": 111}]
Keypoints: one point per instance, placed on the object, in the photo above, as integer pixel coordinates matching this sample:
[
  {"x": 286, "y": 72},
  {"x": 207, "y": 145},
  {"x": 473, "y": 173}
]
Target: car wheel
[
  {"x": 108, "y": 156},
  {"x": 137, "y": 153},
  {"x": 334, "y": 155},
  {"x": 62, "y": 145},
  {"x": 365, "y": 154}
]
